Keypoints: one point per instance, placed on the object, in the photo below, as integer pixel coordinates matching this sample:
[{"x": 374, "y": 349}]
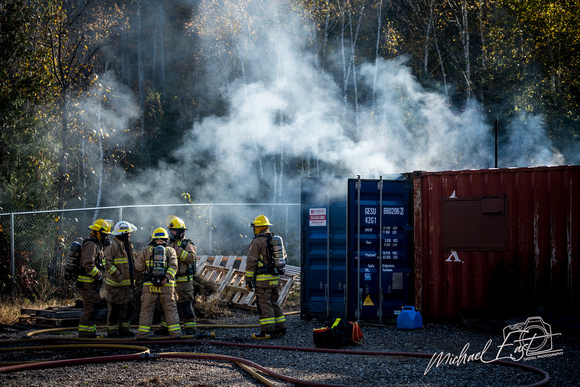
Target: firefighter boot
[
  {"x": 113, "y": 320},
  {"x": 126, "y": 333},
  {"x": 88, "y": 335},
  {"x": 176, "y": 335},
  {"x": 124, "y": 330},
  {"x": 162, "y": 331},
  {"x": 261, "y": 335},
  {"x": 279, "y": 332}
]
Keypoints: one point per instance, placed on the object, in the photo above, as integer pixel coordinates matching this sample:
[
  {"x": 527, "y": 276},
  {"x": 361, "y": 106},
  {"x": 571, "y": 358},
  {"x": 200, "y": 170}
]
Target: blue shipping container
[
  {"x": 379, "y": 233},
  {"x": 333, "y": 281},
  {"x": 323, "y": 261}
]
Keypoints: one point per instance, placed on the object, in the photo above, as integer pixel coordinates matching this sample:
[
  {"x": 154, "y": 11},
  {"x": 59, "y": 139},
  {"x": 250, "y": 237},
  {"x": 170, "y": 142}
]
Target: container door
[
  {"x": 379, "y": 248},
  {"x": 323, "y": 266}
]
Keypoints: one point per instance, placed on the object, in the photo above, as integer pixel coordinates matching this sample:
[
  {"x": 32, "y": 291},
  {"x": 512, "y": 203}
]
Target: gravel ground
[{"x": 367, "y": 368}]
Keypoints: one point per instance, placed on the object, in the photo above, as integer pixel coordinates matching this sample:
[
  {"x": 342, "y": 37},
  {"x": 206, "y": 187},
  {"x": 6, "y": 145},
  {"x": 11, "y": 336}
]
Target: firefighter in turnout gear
[
  {"x": 186, "y": 257},
  {"x": 120, "y": 280},
  {"x": 262, "y": 277},
  {"x": 90, "y": 276},
  {"x": 159, "y": 262}
]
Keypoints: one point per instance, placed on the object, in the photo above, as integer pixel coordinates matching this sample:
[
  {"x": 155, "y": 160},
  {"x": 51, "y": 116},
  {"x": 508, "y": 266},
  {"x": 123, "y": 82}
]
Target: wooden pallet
[
  {"x": 49, "y": 322},
  {"x": 228, "y": 274},
  {"x": 55, "y": 316}
]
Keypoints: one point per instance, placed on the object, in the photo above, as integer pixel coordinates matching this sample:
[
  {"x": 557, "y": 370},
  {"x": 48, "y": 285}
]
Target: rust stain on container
[{"x": 462, "y": 263}]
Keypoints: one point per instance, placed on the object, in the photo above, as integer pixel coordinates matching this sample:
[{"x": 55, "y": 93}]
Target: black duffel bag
[{"x": 340, "y": 334}]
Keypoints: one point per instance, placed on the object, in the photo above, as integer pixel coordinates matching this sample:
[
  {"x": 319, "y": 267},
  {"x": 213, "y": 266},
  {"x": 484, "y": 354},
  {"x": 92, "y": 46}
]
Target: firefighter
[
  {"x": 186, "y": 256},
  {"x": 159, "y": 262},
  {"x": 120, "y": 280},
  {"x": 262, "y": 277},
  {"x": 90, "y": 278}
]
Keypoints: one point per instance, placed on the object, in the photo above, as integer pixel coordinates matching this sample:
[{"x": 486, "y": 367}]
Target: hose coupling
[{"x": 149, "y": 355}]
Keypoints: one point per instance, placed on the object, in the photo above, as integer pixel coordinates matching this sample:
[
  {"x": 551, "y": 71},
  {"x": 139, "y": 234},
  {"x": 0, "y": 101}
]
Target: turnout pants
[
  {"x": 185, "y": 306},
  {"x": 91, "y": 300},
  {"x": 120, "y": 304},
  {"x": 271, "y": 315},
  {"x": 167, "y": 296}
]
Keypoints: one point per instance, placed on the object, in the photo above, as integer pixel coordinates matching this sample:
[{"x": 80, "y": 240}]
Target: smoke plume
[{"x": 288, "y": 118}]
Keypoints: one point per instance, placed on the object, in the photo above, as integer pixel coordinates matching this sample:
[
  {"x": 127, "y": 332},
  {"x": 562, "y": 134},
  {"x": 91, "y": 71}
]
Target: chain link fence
[{"x": 34, "y": 245}]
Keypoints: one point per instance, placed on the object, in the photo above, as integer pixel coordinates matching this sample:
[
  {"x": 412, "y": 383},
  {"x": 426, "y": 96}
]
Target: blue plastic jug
[{"x": 409, "y": 318}]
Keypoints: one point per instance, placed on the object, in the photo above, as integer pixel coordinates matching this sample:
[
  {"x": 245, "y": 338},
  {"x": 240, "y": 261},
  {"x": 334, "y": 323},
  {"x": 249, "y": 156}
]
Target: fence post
[
  {"x": 12, "y": 256},
  {"x": 210, "y": 223}
]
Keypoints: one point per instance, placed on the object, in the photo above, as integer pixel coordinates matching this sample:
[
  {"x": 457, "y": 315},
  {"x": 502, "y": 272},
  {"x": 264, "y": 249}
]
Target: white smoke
[
  {"x": 528, "y": 144},
  {"x": 285, "y": 109},
  {"x": 106, "y": 110}
]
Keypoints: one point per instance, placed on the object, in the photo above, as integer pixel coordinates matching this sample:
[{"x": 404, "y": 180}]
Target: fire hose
[
  {"x": 245, "y": 364},
  {"x": 70, "y": 346},
  {"x": 50, "y": 330}
]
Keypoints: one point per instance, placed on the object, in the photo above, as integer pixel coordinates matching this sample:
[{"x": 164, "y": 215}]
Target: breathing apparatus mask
[
  {"x": 105, "y": 240},
  {"x": 123, "y": 237},
  {"x": 102, "y": 238},
  {"x": 176, "y": 234}
]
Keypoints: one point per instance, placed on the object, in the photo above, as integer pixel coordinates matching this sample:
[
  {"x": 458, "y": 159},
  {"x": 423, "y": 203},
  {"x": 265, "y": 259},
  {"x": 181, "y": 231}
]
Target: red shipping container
[{"x": 504, "y": 241}]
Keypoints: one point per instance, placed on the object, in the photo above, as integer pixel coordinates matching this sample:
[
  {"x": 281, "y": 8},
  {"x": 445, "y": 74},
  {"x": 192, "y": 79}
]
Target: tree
[
  {"x": 71, "y": 54},
  {"x": 72, "y": 41},
  {"x": 26, "y": 156},
  {"x": 552, "y": 47}
]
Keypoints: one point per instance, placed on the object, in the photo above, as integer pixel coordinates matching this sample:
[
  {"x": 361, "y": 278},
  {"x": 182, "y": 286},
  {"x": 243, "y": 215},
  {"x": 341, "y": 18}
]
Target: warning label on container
[
  {"x": 317, "y": 217},
  {"x": 368, "y": 301}
]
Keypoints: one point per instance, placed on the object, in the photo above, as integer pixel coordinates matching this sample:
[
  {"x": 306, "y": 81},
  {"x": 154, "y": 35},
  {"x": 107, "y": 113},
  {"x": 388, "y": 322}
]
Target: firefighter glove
[
  {"x": 249, "y": 285},
  {"x": 99, "y": 281}
]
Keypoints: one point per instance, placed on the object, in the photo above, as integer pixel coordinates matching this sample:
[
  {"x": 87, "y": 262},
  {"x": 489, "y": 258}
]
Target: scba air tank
[
  {"x": 278, "y": 252},
  {"x": 159, "y": 262},
  {"x": 73, "y": 260}
]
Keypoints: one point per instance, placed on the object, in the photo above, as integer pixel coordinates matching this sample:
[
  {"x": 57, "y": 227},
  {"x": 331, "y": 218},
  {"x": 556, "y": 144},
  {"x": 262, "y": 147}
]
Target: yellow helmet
[
  {"x": 175, "y": 222},
  {"x": 160, "y": 233},
  {"x": 261, "y": 221},
  {"x": 102, "y": 225}
]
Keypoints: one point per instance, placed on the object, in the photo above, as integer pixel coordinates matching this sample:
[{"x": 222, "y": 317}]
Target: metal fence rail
[{"x": 34, "y": 245}]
